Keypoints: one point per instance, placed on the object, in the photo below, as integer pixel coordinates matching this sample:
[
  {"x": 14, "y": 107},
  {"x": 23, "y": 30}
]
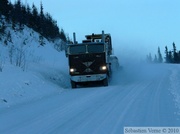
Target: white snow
[
  {"x": 39, "y": 100},
  {"x": 45, "y": 70}
]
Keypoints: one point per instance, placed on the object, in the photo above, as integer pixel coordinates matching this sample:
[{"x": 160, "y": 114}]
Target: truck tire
[
  {"x": 105, "y": 82},
  {"x": 73, "y": 84}
]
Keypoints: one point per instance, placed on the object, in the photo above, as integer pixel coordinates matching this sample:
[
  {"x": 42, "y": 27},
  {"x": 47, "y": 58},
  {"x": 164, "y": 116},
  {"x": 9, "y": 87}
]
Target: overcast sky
[{"x": 137, "y": 25}]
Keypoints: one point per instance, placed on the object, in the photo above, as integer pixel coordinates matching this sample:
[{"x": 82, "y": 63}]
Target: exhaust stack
[
  {"x": 103, "y": 37},
  {"x": 74, "y": 38}
]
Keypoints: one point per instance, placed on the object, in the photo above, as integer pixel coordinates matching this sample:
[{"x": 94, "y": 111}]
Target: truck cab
[{"x": 89, "y": 61}]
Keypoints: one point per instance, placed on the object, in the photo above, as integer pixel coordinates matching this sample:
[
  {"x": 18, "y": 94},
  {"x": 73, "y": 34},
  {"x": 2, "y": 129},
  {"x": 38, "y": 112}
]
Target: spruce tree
[
  {"x": 18, "y": 16},
  {"x": 24, "y": 15},
  {"x": 155, "y": 59},
  {"x": 149, "y": 58},
  {"x": 4, "y": 7},
  {"x": 34, "y": 19},
  {"x": 28, "y": 16},
  {"x": 160, "y": 59},
  {"x": 170, "y": 57},
  {"x": 41, "y": 18},
  {"x": 167, "y": 55},
  {"x": 179, "y": 57},
  {"x": 175, "y": 55},
  {"x": 62, "y": 35}
]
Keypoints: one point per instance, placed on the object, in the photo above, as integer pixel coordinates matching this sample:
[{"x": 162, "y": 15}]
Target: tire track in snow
[
  {"x": 108, "y": 112},
  {"x": 101, "y": 114},
  {"x": 154, "y": 110},
  {"x": 59, "y": 118},
  {"x": 130, "y": 108},
  {"x": 154, "y": 106},
  {"x": 98, "y": 110},
  {"x": 55, "y": 114}
]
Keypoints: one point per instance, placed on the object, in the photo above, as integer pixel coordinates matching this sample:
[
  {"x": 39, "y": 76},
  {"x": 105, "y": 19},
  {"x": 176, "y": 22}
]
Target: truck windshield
[
  {"x": 96, "y": 48},
  {"x": 91, "y": 48},
  {"x": 76, "y": 49}
]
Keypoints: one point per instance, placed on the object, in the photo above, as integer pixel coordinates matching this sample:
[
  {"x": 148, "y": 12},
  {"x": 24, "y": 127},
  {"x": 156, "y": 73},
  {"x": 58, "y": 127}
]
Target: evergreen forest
[
  {"x": 171, "y": 56},
  {"x": 39, "y": 21}
]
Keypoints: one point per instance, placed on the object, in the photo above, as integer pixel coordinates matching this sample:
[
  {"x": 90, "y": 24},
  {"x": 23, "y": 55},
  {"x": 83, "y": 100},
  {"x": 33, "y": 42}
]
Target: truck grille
[{"x": 87, "y": 63}]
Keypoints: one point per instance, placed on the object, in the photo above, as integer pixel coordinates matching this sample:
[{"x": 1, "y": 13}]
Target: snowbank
[{"x": 43, "y": 70}]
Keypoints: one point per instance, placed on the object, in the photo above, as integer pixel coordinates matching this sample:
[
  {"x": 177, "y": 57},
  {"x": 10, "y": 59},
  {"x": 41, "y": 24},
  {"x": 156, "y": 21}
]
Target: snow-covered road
[{"x": 144, "y": 96}]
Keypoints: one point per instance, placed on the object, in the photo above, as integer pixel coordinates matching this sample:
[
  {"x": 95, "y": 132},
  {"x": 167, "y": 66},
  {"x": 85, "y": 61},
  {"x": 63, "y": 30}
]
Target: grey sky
[{"x": 133, "y": 24}]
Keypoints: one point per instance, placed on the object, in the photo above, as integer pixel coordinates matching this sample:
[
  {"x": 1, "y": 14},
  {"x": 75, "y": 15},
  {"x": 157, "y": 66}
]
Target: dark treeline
[
  {"x": 157, "y": 58},
  {"x": 171, "y": 56},
  {"x": 20, "y": 14}
]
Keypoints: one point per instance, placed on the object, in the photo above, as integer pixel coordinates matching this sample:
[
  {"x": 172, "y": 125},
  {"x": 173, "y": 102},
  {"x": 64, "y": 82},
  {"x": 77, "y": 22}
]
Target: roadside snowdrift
[{"x": 43, "y": 70}]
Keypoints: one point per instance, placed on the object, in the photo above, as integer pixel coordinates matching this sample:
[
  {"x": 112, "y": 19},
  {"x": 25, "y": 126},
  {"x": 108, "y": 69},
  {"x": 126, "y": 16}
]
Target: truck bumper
[{"x": 87, "y": 78}]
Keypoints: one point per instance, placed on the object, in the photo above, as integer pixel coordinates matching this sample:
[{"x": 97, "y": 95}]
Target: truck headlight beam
[
  {"x": 72, "y": 70},
  {"x": 103, "y": 68}
]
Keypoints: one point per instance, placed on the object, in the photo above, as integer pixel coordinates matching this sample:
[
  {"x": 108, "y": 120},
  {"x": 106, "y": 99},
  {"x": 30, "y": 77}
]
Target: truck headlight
[
  {"x": 103, "y": 68},
  {"x": 72, "y": 70}
]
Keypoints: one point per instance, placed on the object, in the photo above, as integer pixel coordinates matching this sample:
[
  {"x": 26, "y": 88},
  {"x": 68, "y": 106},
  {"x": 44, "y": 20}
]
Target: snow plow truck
[{"x": 91, "y": 60}]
